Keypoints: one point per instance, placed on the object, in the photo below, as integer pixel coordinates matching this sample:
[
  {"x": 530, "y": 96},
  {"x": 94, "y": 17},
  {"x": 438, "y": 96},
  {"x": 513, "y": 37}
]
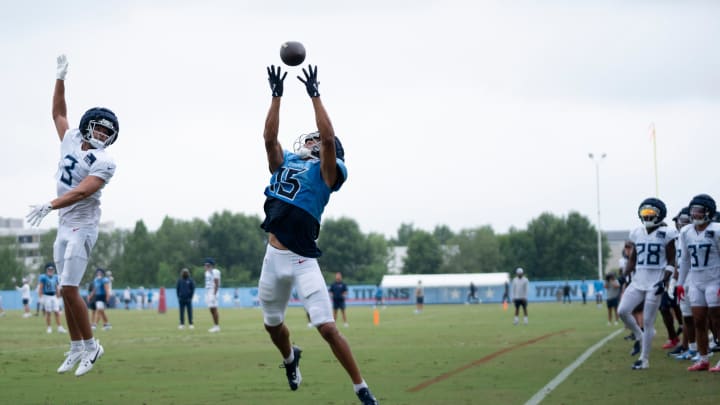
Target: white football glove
[
  {"x": 671, "y": 287},
  {"x": 62, "y": 67},
  {"x": 37, "y": 213}
]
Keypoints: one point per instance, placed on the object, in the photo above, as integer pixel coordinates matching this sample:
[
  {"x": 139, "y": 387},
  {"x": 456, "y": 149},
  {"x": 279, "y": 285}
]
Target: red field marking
[{"x": 485, "y": 359}]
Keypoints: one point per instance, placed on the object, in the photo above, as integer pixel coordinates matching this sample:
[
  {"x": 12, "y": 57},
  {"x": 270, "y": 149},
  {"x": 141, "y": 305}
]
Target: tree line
[{"x": 551, "y": 247}]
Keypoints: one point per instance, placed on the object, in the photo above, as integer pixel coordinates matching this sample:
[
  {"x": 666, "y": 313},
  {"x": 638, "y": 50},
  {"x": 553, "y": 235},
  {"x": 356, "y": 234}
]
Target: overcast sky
[{"x": 461, "y": 113}]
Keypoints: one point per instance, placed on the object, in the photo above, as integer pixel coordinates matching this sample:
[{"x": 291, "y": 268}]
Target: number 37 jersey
[
  {"x": 651, "y": 257},
  {"x": 700, "y": 249},
  {"x": 74, "y": 166}
]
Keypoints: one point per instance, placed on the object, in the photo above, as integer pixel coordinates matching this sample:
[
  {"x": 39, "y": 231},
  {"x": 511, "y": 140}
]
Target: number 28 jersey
[
  {"x": 651, "y": 257},
  {"x": 74, "y": 166}
]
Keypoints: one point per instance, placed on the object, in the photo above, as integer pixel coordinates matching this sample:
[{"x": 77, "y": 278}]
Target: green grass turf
[{"x": 450, "y": 354}]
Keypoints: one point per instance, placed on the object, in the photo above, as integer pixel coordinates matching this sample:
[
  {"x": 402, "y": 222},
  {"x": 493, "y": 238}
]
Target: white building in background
[{"x": 28, "y": 239}]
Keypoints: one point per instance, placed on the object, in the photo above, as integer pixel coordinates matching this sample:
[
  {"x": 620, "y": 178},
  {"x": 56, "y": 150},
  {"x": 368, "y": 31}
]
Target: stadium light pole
[{"x": 597, "y": 160}]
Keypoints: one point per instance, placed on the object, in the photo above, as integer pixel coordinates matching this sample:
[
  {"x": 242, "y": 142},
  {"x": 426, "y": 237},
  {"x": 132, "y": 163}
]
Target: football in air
[{"x": 292, "y": 53}]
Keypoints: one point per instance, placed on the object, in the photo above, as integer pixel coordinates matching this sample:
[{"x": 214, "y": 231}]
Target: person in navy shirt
[
  {"x": 185, "y": 290},
  {"x": 339, "y": 291}
]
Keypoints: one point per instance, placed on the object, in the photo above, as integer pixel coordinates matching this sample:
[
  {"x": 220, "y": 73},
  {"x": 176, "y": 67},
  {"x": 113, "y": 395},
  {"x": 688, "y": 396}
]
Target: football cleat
[
  {"x": 636, "y": 348},
  {"x": 687, "y": 355},
  {"x": 641, "y": 365},
  {"x": 60, "y": 329},
  {"x": 292, "y": 370},
  {"x": 71, "y": 359},
  {"x": 88, "y": 359},
  {"x": 366, "y": 397},
  {"x": 715, "y": 369},
  {"x": 671, "y": 343},
  {"x": 700, "y": 365},
  {"x": 676, "y": 351},
  {"x": 214, "y": 329},
  {"x": 630, "y": 337}
]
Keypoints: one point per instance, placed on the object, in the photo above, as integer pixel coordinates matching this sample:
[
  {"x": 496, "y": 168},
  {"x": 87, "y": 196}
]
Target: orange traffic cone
[
  {"x": 376, "y": 317},
  {"x": 162, "y": 304},
  {"x": 505, "y": 305}
]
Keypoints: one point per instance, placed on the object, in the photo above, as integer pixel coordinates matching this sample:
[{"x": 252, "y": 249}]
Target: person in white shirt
[
  {"x": 652, "y": 259},
  {"x": 25, "y": 296},
  {"x": 699, "y": 270},
  {"x": 519, "y": 295},
  {"x": 212, "y": 287},
  {"x": 83, "y": 171}
]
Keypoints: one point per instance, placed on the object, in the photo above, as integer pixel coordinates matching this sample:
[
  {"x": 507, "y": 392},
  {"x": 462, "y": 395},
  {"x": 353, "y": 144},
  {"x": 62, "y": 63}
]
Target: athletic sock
[
  {"x": 692, "y": 346},
  {"x": 77, "y": 346},
  {"x": 289, "y": 359},
  {"x": 90, "y": 344},
  {"x": 358, "y": 387}
]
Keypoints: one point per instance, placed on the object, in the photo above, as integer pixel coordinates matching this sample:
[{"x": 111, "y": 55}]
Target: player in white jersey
[
  {"x": 212, "y": 287},
  {"x": 700, "y": 270},
  {"x": 652, "y": 259},
  {"x": 83, "y": 170},
  {"x": 688, "y": 348}
]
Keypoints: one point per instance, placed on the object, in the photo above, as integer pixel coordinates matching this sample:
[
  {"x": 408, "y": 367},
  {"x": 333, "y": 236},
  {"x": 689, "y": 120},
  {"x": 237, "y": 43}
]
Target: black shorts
[
  {"x": 520, "y": 303},
  {"x": 419, "y": 300},
  {"x": 612, "y": 302},
  {"x": 26, "y": 301},
  {"x": 338, "y": 304}
]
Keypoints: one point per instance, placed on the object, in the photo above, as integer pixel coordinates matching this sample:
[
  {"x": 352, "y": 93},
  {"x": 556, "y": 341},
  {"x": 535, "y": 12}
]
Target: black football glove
[
  {"x": 660, "y": 285},
  {"x": 276, "y": 82},
  {"x": 311, "y": 83}
]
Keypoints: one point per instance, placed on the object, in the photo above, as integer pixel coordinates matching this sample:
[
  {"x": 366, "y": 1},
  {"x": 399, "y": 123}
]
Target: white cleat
[
  {"x": 214, "y": 329},
  {"x": 88, "y": 359},
  {"x": 71, "y": 359},
  {"x": 60, "y": 329},
  {"x": 49, "y": 329},
  {"x": 181, "y": 327}
]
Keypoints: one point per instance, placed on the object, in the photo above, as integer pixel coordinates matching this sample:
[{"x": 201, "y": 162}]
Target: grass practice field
[{"x": 450, "y": 354}]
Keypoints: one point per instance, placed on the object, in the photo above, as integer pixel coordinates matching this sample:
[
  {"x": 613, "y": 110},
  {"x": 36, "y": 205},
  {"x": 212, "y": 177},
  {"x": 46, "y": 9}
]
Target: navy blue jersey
[
  {"x": 296, "y": 198},
  {"x": 337, "y": 289},
  {"x": 49, "y": 283}
]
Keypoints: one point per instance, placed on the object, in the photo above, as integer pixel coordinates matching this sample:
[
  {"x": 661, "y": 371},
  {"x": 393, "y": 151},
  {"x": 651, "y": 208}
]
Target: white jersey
[
  {"x": 520, "y": 288},
  {"x": 24, "y": 291},
  {"x": 210, "y": 277},
  {"x": 700, "y": 250},
  {"x": 650, "y": 254},
  {"x": 74, "y": 166}
]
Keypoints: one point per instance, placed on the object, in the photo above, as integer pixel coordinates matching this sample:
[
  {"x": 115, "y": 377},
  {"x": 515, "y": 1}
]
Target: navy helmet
[
  {"x": 103, "y": 117},
  {"x": 702, "y": 209},
  {"x": 652, "y": 211}
]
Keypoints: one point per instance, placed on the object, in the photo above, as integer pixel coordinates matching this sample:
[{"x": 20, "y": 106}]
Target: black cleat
[
  {"x": 366, "y": 397},
  {"x": 292, "y": 370},
  {"x": 641, "y": 365},
  {"x": 636, "y": 348},
  {"x": 630, "y": 337},
  {"x": 677, "y": 350}
]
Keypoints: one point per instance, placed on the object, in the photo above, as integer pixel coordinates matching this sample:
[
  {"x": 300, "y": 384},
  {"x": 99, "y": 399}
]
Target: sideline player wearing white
[
  {"x": 652, "y": 258},
  {"x": 700, "y": 270},
  {"x": 299, "y": 190},
  {"x": 212, "y": 288},
  {"x": 49, "y": 292},
  {"x": 83, "y": 170}
]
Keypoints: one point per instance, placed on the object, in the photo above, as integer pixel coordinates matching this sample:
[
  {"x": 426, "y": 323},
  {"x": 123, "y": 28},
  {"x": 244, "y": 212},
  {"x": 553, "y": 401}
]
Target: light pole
[{"x": 597, "y": 161}]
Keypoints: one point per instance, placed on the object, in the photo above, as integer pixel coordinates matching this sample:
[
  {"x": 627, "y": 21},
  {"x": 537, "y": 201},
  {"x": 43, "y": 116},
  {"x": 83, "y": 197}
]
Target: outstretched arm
[
  {"x": 272, "y": 121},
  {"x": 59, "y": 108},
  {"x": 328, "y": 155}
]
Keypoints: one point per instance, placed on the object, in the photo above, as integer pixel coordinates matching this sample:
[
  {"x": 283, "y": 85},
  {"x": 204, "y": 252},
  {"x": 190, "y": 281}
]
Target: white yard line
[{"x": 540, "y": 395}]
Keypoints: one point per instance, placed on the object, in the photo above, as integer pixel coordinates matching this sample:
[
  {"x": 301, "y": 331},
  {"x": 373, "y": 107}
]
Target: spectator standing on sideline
[
  {"x": 300, "y": 188},
  {"x": 419, "y": 297},
  {"x": 584, "y": 291},
  {"x": 612, "y": 286},
  {"x": 519, "y": 294},
  {"x": 566, "y": 293},
  {"x": 472, "y": 294},
  {"x": 506, "y": 293},
  {"x": 599, "y": 286},
  {"x": 48, "y": 289},
  {"x": 212, "y": 288},
  {"x": 149, "y": 298},
  {"x": 140, "y": 298},
  {"x": 185, "y": 289},
  {"x": 25, "y": 296},
  {"x": 339, "y": 291},
  {"x": 379, "y": 296},
  {"x": 127, "y": 297}
]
